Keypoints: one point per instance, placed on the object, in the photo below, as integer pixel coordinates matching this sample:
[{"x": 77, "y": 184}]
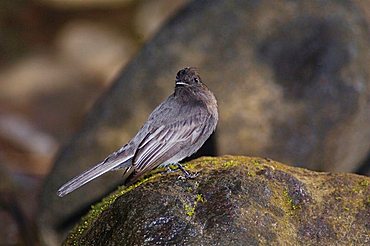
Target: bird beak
[{"x": 181, "y": 83}]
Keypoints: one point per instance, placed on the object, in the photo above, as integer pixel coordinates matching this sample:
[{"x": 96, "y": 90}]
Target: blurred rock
[
  {"x": 20, "y": 137},
  {"x": 291, "y": 78},
  {"x": 151, "y": 15},
  {"x": 94, "y": 48},
  {"x": 78, "y": 4},
  {"x": 24, "y": 134},
  {"x": 51, "y": 94},
  {"x": 364, "y": 6},
  {"x": 10, "y": 43},
  {"x": 234, "y": 201},
  {"x": 15, "y": 227},
  {"x": 33, "y": 74},
  {"x": 9, "y": 231}
]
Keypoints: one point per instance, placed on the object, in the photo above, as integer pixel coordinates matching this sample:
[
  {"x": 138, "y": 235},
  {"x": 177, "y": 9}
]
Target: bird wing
[
  {"x": 117, "y": 159},
  {"x": 164, "y": 142}
]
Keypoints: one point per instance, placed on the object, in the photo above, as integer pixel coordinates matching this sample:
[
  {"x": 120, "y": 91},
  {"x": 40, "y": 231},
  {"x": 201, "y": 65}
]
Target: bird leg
[
  {"x": 187, "y": 175},
  {"x": 171, "y": 168}
]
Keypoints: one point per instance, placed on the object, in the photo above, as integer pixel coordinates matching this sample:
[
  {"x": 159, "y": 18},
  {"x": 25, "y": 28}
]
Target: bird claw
[
  {"x": 188, "y": 176},
  {"x": 170, "y": 170}
]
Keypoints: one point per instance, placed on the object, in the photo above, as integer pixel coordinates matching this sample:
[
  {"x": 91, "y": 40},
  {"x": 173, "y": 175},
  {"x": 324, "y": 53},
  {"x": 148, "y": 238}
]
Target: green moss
[
  {"x": 204, "y": 164},
  {"x": 289, "y": 201},
  {"x": 256, "y": 162},
  {"x": 338, "y": 198},
  {"x": 360, "y": 186},
  {"x": 251, "y": 174},
  {"x": 199, "y": 198},
  {"x": 97, "y": 209},
  {"x": 229, "y": 163},
  {"x": 214, "y": 163},
  {"x": 189, "y": 189},
  {"x": 191, "y": 166},
  {"x": 356, "y": 189},
  {"x": 190, "y": 208},
  {"x": 254, "y": 165},
  {"x": 172, "y": 167},
  {"x": 364, "y": 183}
]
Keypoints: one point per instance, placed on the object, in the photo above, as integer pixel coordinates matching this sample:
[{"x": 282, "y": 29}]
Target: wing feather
[{"x": 165, "y": 142}]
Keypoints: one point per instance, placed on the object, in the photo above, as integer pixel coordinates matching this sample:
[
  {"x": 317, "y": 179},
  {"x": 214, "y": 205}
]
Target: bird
[{"x": 176, "y": 129}]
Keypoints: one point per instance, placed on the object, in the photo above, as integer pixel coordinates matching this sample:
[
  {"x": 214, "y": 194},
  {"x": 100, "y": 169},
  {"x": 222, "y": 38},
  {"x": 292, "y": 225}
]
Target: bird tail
[{"x": 114, "y": 161}]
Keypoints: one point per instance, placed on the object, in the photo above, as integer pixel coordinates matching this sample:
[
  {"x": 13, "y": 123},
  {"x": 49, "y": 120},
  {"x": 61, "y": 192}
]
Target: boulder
[{"x": 235, "y": 200}]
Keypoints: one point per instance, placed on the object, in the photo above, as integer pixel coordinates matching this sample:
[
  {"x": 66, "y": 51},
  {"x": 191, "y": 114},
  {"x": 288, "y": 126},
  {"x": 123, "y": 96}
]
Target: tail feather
[{"x": 108, "y": 164}]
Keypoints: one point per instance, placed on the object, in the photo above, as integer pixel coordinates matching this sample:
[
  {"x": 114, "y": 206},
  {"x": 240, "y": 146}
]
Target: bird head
[{"x": 188, "y": 77}]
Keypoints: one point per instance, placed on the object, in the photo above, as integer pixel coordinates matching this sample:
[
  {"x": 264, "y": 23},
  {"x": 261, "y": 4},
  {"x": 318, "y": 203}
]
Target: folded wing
[{"x": 164, "y": 142}]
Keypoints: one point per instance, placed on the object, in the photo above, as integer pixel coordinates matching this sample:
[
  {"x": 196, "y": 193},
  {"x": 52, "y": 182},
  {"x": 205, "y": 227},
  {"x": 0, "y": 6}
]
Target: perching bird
[{"x": 176, "y": 129}]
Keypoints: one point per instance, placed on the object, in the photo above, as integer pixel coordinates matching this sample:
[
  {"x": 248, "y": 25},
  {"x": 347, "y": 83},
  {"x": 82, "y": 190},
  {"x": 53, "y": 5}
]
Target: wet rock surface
[{"x": 234, "y": 201}]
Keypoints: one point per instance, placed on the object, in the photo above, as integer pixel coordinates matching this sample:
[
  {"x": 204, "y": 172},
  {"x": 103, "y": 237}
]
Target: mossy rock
[{"x": 234, "y": 201}]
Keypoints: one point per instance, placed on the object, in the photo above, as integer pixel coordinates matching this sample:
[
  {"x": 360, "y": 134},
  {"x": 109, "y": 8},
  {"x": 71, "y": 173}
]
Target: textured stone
[{"x": 234, "y": 201}]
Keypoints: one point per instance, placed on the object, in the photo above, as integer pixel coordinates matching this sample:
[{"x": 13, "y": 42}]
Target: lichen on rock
[{"x": 234, "y": 200}]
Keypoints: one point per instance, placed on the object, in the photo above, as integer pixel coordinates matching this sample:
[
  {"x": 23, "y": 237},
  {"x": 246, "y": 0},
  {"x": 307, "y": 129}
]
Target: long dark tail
[{"x": 111, "y": 163}]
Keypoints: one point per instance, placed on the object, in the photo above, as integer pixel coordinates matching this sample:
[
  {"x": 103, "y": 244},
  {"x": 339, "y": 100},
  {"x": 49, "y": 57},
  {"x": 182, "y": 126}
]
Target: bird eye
[{"x": 196, "y": 80}]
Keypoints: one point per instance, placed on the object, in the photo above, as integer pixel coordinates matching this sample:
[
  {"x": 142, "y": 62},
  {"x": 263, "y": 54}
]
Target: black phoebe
[{"x": 176, "y": 129}]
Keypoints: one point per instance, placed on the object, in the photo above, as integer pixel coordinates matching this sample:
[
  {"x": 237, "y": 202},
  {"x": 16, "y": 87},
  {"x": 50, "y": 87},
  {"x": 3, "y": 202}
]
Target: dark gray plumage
[{"x": 176, "y": 129}]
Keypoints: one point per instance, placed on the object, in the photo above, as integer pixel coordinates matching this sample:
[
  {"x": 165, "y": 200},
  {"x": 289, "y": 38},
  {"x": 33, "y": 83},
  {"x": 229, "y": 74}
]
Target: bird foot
[
  {"x": 187, "y": 175},
  {"x": 171, "y": 168}
]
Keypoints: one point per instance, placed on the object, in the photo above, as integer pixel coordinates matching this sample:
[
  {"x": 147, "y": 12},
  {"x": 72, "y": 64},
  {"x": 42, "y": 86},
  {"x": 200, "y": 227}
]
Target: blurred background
[{"x": 57, "y": 57}]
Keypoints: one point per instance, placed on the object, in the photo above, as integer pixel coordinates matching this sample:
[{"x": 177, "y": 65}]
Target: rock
[
  {"x": 364, "y": 7},
  {"x": 15, "y": 227},
  {"x": 234, "y": 201},
  {"x": 95, "y": 48},
  {"x": 24, "y": 147},
  {"x": 51, "y": 94},
  {"x": 9, "y": 231},
  {"x": 11, "y": 45},
  {"x": 152, "y": 14},
  {"x": 291, "y": 78},
  {"x": 78, "y": 4}
]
